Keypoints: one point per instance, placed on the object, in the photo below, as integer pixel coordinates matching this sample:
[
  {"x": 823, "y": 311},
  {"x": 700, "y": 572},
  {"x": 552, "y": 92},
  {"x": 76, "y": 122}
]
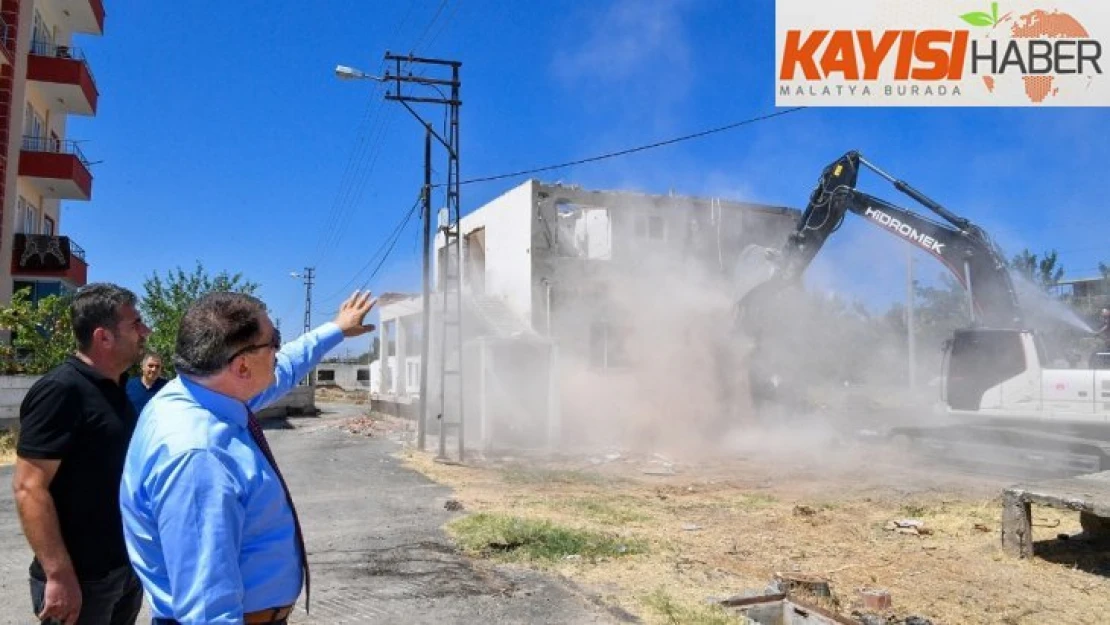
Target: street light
[
  {"x": 349, "y": 73},
  {"x": 450, "y": 142}
]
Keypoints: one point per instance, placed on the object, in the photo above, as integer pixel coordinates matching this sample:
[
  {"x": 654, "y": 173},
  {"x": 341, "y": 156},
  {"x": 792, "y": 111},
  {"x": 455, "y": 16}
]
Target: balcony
[
  {"x": 56, "y": 167},
  {"x": 44, "y": 256},
  {"x": 63, "y": 76},
  {"x": 80, "y": 16}
]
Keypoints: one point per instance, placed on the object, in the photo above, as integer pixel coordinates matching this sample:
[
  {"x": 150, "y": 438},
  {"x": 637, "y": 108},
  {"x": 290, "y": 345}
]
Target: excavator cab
[{"x": 978, "y": 359}]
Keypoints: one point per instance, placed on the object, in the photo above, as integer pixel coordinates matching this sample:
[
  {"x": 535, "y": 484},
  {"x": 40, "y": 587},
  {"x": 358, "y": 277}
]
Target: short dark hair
[
  {"x": 95, "y": 306},
  {"x": 147, "y": 356},
  {"x": 215, "y": 326}
]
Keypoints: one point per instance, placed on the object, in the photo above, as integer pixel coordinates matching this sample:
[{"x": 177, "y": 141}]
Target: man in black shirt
[{"x": 75, "y": 424}]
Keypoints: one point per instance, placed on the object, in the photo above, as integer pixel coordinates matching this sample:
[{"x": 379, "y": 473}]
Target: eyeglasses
[{"x": 275, "y": 342}]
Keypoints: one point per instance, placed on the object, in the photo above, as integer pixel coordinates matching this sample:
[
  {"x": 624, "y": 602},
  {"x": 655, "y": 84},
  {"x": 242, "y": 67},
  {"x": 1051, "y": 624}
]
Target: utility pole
[
  {"x": 309, "y": 277},
  {"x": 402, "y": 83},
  {"x": 426, "y": 310},
  {"x": 451, "y": 355}
]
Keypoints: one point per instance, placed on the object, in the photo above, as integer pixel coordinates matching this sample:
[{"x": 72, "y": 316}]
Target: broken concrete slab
[
  {"x": 1087, "y": 494},
  {"x": 776, "y": 609}
]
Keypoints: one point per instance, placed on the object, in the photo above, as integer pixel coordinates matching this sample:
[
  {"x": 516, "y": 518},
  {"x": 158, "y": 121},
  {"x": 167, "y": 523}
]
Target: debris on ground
[
  {"x": 800, "y": 583},
  {"x": 804, "y": 511},
  {"x": 690, "y": 527},
  {"x": 362, "y": 426},
  {"x": 376, "y": 424},
  {"x": 908, "y": 526},
  {"x": 874, "y": 599},
  {"x": 454, "y": 505}
]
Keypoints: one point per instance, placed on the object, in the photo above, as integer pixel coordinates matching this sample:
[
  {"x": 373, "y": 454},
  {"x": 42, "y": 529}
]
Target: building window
[
  {"x": 37, "y": 291},
  {"x": 47, "y": 226},
  {"x": 27, "y": 216},
  {"x": 362, "y": 375},
  {"x": 42, "y": 36},
  {"x": 325, "y": 375},
  {"x": 34, "y": 129}
]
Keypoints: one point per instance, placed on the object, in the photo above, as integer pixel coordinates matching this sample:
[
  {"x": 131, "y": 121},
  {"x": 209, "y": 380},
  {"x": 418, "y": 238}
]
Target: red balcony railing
[
  {"x": 56, "y": 167},
  {"x": 63, "y": 75}
]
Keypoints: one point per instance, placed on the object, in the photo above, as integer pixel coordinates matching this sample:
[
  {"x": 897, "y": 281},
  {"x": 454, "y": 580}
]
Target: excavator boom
[{"x": 961, "y": 246}]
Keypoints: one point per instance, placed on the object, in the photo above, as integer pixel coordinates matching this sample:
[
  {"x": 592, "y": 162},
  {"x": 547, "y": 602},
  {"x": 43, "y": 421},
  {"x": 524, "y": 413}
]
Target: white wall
[
  {"x": 508, "y": 223},
  {"x": 12, "y": 390},
  {"x": 376, "y": 378}
]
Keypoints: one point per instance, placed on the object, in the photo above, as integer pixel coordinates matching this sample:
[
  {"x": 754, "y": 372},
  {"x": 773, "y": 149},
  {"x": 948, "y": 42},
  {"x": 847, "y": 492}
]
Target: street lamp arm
[{"x": 345, "y": 72}]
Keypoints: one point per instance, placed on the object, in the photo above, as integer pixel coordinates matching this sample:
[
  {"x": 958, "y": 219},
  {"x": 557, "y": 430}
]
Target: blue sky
[{"x": 224, "y": 137}]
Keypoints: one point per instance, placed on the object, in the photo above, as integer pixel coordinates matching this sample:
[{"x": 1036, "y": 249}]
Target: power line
[
  {"x": 641, "y": 148},
  {"x": 362, "y": 151},
  {"x": 428, "y": 28},
  {"x": 389, "y": 242}
]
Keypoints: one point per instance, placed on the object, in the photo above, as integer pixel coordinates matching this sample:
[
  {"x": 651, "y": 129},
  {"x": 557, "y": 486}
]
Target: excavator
[{"x": 998, "y": 396}]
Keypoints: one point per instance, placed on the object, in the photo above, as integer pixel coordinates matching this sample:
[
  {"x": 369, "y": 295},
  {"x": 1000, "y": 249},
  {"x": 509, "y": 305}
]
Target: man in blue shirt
[
  {"x": 210, "y": 527},
  {"x": 140, "y": 390}
]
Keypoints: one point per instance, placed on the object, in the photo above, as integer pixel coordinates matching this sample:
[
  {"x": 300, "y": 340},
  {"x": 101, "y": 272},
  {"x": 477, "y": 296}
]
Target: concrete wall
[
  {"x": 507, "y": 221},
  {"x": 299, "y": 401},
  {"x": 12, "y": 390}
]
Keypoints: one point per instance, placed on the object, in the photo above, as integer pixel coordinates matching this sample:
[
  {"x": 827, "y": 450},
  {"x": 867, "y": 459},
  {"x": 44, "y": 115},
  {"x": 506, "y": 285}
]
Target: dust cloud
[
  {"x": 652, "y": 358},
  {"x": 653, "y": 355}
]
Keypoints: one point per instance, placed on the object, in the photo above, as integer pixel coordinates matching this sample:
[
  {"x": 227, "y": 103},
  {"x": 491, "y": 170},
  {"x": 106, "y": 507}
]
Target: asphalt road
[{"x": 376, "y": 550}]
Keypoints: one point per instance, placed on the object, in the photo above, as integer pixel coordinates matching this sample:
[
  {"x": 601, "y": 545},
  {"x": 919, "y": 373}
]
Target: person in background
[{"x": 140, "y": 390}]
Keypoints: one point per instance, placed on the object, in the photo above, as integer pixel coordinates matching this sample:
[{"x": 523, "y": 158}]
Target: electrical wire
[
  {"x": 641, "y": 148},
  {"x": 386, "y": 245}
]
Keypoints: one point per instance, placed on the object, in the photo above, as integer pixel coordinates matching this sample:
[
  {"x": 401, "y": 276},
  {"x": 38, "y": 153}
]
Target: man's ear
[
  {"x": 242, "y": 371},
  {"x": 102, "y": 336}
]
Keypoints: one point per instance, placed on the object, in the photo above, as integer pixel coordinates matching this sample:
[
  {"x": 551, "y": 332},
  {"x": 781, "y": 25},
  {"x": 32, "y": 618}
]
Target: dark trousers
[{"x": 114, "y": 599}]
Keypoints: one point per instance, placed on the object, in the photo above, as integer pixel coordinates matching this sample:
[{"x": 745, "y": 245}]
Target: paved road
[{"x": 375, "y": 545}]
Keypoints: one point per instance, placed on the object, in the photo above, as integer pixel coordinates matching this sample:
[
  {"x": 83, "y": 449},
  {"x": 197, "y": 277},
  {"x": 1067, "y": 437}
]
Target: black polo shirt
[{"x": 84, "y": 419}]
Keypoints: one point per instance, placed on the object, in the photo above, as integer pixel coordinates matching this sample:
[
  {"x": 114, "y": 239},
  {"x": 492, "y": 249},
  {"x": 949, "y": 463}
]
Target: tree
[
  {"x": 42, "y": 333},
  {"x": 166, "y": 299},
  {"x": 1043, "y": 271}
]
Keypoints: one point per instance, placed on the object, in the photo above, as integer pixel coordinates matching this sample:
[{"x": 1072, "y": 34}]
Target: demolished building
[{"x": 606, "y": 309}]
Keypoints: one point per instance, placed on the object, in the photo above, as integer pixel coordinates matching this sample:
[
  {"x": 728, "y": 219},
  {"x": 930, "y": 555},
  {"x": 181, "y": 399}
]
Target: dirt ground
[{"x": 722, "y": 524}]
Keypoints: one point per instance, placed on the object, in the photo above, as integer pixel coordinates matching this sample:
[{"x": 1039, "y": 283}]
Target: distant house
[
  {"x": 347, "y": 376},
  {"x": 1087, "y": 294}
]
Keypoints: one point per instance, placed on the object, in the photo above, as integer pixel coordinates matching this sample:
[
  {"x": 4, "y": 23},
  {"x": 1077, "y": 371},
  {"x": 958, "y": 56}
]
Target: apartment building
[{"x": 44, "y": 79}]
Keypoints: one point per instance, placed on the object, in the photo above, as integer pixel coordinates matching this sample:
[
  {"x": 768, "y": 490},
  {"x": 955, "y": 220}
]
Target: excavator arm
[{"x": 961, "y": 246}]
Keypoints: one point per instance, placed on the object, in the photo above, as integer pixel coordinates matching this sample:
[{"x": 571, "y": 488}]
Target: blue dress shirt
[{"x": 208, "y": 528}]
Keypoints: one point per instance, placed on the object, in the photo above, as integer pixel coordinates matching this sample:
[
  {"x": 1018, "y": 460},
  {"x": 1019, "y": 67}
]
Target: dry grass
[
  {"x": 7, "y": 447},
  {"x": 722, "y": 527}
]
